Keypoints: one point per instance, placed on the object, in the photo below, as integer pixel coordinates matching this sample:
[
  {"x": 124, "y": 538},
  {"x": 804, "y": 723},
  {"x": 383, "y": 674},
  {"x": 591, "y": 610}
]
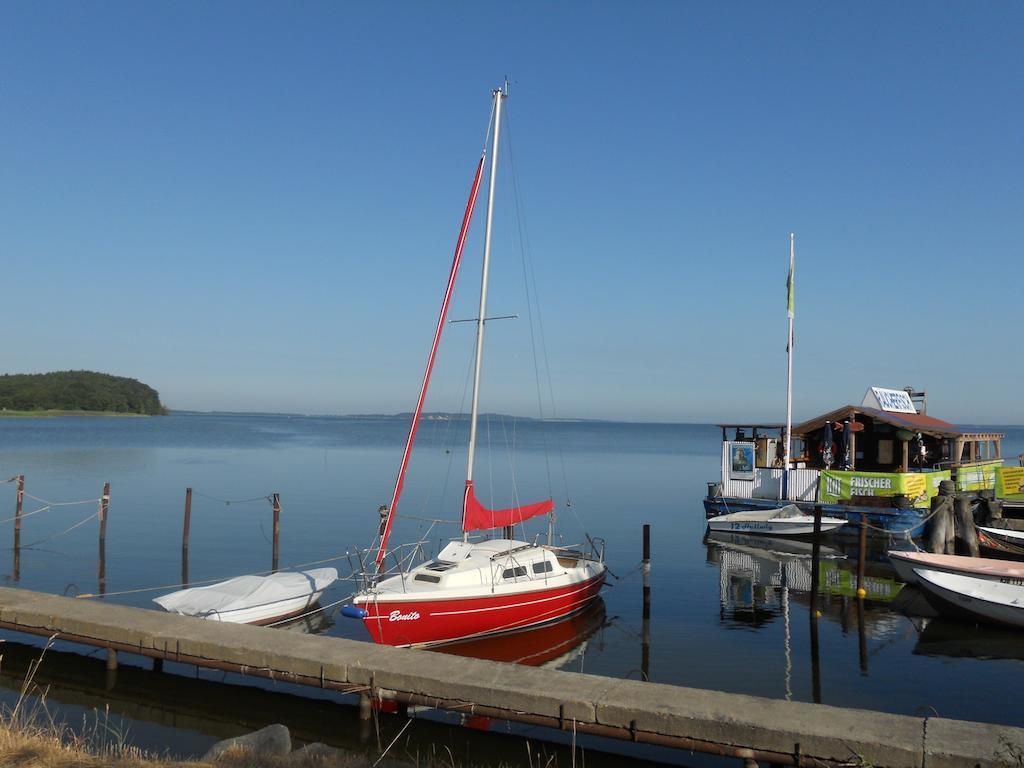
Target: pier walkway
[{"x": 755, "y": 730}]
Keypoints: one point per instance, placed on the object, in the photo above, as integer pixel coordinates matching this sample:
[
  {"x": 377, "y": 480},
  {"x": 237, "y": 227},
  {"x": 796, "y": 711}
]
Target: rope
[
  {"x": 66, "y": 530},
  {"x": 228, "y": 502},
  {"x": 25, "y": 514},
  {"x": 61, "y": 503},
  {"x": 316, "y": 610},
  {"x": 214, "y": 581}
]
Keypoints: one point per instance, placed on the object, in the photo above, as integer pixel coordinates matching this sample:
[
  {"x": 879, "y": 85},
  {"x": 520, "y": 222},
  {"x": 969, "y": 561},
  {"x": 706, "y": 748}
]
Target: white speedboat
[
  {"x": 252, "y": 599},
  {"x": 789, "y": 520},
  {"x": 907, "y": 564},
  {"x": 983, "y": 598}
]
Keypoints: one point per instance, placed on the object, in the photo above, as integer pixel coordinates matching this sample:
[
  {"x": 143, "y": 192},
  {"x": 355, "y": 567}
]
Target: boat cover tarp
[
  {"x": 246, "y": 592},
  {"x": 477, "y": 517},
  {"x": 762, "y": 515}
]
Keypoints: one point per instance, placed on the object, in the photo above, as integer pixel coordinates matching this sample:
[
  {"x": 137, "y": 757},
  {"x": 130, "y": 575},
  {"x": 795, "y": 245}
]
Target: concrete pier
[{"x": 748, "y": 728}]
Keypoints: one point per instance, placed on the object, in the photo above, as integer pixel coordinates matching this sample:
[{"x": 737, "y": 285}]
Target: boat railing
[
  {"x": 402, "y": 559},
  {"x": 592, "y": 550}
]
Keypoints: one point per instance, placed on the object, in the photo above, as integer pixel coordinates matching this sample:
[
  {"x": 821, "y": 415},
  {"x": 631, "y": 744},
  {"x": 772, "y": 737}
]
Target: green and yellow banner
[
  {"x": 1010, "y": 483},
  {"x": 919, "y": 487},
  {"x": 981, "y": 477}
]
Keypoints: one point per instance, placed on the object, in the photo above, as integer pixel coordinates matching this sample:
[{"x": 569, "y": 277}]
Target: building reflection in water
[{"x": 761, "y": 577}]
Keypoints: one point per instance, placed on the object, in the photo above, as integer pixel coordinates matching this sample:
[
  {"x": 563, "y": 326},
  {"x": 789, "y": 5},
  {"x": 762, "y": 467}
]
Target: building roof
[{"x": 916, "y": 422}]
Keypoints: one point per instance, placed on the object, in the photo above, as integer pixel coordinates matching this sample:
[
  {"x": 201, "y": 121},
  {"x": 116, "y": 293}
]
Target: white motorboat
[
  {"x": 1001, "y": 601},
  {"x": 789, "y": 520},
  {"x": 252, "y": 599},
  {"x": 908, "y": 563},
  {"x": 1006, "y": 534}
]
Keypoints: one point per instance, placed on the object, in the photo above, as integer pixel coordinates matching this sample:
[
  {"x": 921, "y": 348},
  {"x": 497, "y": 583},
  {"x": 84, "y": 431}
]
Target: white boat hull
[
  {"x": 787, "y": 521},
  {"x": 1015, "y": 537},
  {"x": 907, "y": 564},
  {"x": 998, "y": 601},
  {"x": 252, "y": 599}
]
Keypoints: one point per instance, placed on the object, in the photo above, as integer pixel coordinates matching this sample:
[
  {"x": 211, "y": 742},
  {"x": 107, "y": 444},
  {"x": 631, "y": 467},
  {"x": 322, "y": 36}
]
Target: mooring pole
[
  {"x": 18, "y": 505},
  {"x": 645, "y": 568},
  {"x": 104, "y": 513},
  {"x": 645, "y": 637},
  {"x": 861, "y": 592},
  {"x": 814, "y": 612},
  {"x": 184, "y": 537},
  {"x": 862, "y": 639},
  {"x": 815, "y": 559},
  {"x": 277, "y": 533}
]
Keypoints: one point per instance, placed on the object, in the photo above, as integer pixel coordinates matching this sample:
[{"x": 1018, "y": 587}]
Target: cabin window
[
  {"x": 427, "y": 577},
  {"x": 543, "y": 567},
  {"x": 511, "y": 573}
]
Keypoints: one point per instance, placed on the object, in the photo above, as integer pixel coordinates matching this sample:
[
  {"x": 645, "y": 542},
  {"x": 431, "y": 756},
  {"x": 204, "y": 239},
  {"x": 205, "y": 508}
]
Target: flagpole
[{"x": 789, "y": 372}]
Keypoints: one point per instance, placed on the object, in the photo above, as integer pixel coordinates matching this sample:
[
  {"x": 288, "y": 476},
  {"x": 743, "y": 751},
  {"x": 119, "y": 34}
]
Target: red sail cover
[{"x": 477, "y": 517}]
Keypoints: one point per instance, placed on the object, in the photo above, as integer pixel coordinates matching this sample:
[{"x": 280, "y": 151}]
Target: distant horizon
[{"x": 404, "y": 414}]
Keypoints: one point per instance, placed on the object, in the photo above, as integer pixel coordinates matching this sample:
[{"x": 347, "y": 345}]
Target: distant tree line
[{"x": 78, "y": 391}]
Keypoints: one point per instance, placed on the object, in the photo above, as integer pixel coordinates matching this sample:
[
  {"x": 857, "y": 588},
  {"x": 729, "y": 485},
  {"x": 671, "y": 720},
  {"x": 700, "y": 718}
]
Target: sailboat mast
[{"x": 499, "y": 97}]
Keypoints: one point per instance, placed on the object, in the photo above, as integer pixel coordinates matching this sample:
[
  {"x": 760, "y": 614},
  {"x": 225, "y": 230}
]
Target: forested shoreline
[{"x": 80, "y": 391}]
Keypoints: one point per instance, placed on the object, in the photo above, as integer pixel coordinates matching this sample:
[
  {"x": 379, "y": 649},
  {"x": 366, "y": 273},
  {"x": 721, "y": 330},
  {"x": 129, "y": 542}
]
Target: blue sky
[{"x": 252, "y": 206}]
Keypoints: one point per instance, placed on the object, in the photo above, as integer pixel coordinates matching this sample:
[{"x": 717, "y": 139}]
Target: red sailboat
[{"x": 475, "y": 588}]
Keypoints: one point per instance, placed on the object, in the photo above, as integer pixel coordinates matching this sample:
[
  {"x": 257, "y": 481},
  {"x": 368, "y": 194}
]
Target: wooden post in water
[
  {"x": 862, "y": 639},
  {"x": 277, "y": 533},
  {"x": 861, "y": 592},
  {"x": 104, "y": 513},
  {"x": 18, "y": 505},
  {"x": 645, "y": 637},
  {"x": 645, "y": 569},
  {"x": 184, "y": 537},
  {"x": 814, "y": 612}
]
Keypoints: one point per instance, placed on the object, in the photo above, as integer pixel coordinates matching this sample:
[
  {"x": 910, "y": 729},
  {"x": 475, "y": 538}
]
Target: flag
[{"x": 789, "y": 281}]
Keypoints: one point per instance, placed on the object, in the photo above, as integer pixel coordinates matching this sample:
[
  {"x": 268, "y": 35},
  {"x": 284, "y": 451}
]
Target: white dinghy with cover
[
  {"x": 789, "y": 520},
  {"x": 252, "y": 599}
]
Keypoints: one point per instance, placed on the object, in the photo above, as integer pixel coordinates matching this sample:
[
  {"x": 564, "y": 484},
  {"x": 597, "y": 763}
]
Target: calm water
[{"x": 731, "y": 615}]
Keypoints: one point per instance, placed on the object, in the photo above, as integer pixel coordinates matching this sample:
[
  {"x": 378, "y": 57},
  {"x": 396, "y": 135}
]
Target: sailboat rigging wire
[
  {"x": 449, "y": 435},
  {"x": 486, "y": 319},
  {"x": 530, "y": 281},
  {"x": 523, "y": 249},
  {"x": 389, "y": 511}
]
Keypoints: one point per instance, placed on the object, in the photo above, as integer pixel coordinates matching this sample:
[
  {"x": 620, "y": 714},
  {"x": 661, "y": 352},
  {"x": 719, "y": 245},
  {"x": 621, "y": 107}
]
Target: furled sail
[{"x": 477, "y": 517}]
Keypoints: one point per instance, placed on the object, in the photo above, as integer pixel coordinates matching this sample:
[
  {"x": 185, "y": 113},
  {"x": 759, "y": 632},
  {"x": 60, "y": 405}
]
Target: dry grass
[
  {"x": 30, "y": 737},
  {"x": 40, "y": 746}
]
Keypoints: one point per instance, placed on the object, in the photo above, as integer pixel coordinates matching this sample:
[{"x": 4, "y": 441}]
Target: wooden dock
[{"x": 752, "y": 729}]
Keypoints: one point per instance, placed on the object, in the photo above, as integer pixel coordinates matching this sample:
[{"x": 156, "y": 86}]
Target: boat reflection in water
[
  {"x": 552, "y": 645},
  {"x": 958, "y": 639},
  {"x": 314, "y": 624},
  {"x": 760, "y": 577}
]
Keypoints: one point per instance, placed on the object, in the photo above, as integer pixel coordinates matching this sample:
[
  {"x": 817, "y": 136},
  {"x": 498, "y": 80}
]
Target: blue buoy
[{"x": 353, "y": 612}]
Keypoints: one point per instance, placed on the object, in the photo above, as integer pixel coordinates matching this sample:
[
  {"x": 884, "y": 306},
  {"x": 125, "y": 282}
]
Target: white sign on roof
[{"x": 891, "y": 400}]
